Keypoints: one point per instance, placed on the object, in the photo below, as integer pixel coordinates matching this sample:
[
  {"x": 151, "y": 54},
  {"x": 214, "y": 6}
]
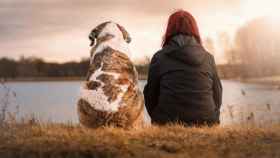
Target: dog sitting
[{"x": 110, "y": 95}]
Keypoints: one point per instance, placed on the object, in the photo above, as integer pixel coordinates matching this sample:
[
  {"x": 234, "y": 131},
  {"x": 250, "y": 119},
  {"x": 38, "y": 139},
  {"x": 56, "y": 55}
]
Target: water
[{"x": 56, "y": 101}]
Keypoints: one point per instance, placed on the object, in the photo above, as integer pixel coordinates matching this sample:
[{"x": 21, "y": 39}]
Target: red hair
[{"x": 181, "y": 22}]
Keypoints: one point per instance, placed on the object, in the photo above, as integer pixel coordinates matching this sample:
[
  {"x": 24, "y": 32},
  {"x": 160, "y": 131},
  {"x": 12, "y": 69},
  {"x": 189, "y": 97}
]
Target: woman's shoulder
[
  {"x": 156, "y": 56},
  {"x": 209, "y": 55},
  {"x": 162, "y": 51}
]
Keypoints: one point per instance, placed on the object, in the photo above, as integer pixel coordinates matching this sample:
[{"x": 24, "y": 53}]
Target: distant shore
[
  {"x": 270, "y": 80},
  {"x": 50, "y": 79},
  {"x": 43, "y": 79},
  {"x": 273, "y": 80}
]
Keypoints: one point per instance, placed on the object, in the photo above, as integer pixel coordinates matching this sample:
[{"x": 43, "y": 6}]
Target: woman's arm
[
  {"x": 151, "y": 90},
  {"x": 217, "y": 86}
]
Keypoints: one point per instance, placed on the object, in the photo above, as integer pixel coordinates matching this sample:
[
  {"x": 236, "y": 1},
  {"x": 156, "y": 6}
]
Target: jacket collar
[
  {"x": 186, "y": 49},
  {"x": 183, "y": 40}
]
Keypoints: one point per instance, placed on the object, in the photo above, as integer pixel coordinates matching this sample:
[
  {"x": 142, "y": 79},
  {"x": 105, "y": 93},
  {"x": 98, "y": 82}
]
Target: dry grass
[{"x": 54, "y": 140}]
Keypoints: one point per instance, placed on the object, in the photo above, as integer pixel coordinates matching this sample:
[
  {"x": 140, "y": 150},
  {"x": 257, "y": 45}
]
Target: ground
[{"x": 60, "y": 140}]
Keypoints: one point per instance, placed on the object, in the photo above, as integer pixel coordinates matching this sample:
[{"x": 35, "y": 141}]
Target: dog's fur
[{"x": 111, "y": 95}]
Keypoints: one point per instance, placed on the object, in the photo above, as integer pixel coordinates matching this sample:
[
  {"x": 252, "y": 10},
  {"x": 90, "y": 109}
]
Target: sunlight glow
[{"x": 261, "y": 8}]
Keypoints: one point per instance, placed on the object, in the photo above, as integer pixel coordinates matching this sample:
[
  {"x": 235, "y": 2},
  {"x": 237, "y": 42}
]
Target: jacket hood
[{"x": 186, "y": 49}]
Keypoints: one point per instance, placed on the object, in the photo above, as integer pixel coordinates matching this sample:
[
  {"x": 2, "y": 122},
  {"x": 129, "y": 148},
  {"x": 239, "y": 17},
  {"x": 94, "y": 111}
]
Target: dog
[{"x": 111, "y": 96}]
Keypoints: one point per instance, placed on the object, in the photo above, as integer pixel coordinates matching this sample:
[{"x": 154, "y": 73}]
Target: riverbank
[
  {"x": 54, "y": 140},
  {"x": 44, "y": 79},
  {"x": 271, "y": 80}
]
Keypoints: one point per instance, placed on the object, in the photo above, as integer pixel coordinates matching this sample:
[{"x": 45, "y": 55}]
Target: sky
[{"x": 57, "y": 30}]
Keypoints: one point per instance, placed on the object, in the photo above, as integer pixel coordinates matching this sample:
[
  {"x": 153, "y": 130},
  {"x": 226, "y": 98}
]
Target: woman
[{"x": 183, "y": 84}]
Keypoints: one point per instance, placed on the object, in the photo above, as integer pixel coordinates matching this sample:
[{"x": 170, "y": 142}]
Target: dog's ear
[
  {"x": 125, "y": 34},
  {"x": 95, "y": 32},
  {"x": 92, "y": 36}
]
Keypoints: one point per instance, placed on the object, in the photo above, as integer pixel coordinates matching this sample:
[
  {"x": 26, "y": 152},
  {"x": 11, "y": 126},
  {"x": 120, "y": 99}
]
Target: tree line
[
  {"x": 254, "y": 50},
  {"x": 257, "y": 48},
  {"x": 29, "y": 67}
]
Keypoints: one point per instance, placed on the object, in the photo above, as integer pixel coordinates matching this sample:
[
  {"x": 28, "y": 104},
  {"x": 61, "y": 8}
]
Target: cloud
[{"x": 48, "y": 26}]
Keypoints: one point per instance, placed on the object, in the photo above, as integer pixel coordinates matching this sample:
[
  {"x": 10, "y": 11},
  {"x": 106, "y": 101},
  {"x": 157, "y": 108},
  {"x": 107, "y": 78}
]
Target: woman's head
[{"x": 181, "y": 22}]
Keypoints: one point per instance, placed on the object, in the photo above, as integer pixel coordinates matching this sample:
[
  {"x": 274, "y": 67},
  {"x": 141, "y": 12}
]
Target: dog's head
[{"x": 109, "y": 28}]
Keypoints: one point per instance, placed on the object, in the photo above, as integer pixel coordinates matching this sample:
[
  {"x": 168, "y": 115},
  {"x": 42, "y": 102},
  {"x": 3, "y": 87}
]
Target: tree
[
  {"x": 228, "y": 48},
  {"x": 26, "y": 67},
  {"x": 209, "y": 45},
  {"x": 8, "y": 68},
  {"x": 257, "y": 44}
]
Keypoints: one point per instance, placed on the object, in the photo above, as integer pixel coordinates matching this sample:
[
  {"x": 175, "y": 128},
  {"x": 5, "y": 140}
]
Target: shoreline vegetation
[
  {"x": 270, "y": 80},
  {"x": 43, "y": 79},
  {"x": 66, "y": 140},
  {"x": 36, "y": 69}
]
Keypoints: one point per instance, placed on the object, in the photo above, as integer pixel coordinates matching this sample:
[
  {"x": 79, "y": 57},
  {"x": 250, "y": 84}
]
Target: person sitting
[{"x": 183, "y": 84}]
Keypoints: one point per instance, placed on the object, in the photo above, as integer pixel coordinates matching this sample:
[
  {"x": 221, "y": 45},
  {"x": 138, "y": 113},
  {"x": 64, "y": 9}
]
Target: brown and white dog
[{"x": 110, "y": 95}]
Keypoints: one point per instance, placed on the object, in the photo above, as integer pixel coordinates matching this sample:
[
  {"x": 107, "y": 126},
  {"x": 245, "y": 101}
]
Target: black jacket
[{"x": 183, "y": 84}]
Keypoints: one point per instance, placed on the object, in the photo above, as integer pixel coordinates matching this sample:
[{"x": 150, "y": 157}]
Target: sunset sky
[{"x": 57, "y": 30}]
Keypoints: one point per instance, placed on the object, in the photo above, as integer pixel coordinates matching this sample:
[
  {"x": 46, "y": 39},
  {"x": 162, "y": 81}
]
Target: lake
[{"x": 56, "y": 101}]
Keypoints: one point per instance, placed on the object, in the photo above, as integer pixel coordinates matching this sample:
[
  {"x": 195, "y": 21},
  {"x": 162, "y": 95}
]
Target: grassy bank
[{"x": 53, "y": 140}]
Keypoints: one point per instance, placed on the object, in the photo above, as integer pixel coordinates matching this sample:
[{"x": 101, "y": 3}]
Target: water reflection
[{"x": 56, "y": 101}]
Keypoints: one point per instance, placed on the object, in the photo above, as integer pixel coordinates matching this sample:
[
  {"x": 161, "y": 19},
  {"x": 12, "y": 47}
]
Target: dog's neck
[{"x": 115, "y": 41}]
